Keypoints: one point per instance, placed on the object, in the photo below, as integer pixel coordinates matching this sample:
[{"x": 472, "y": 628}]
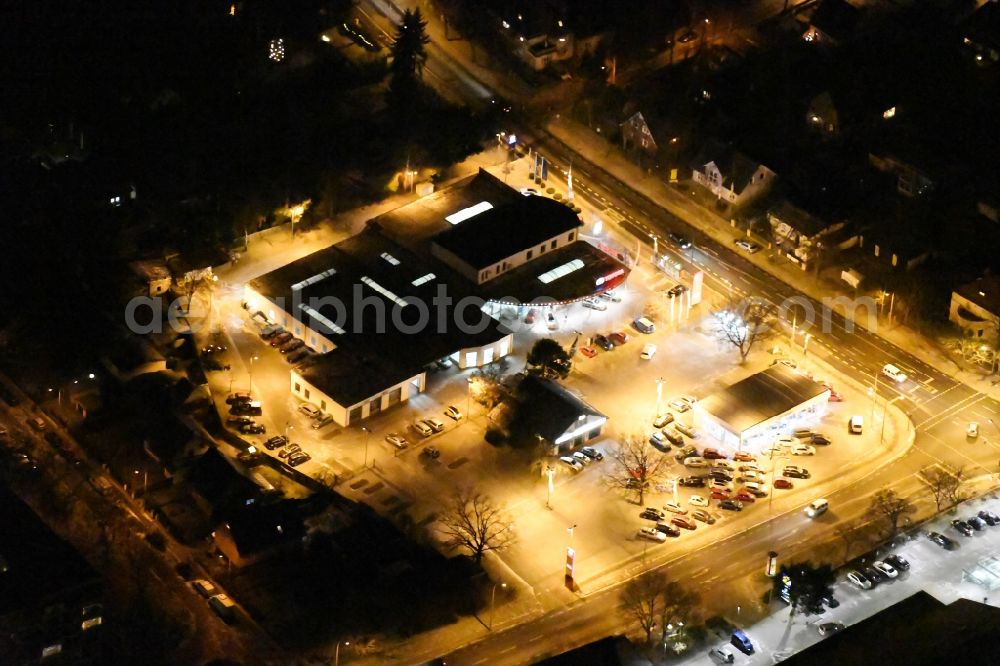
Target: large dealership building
[{"x": 415, "y": 288}]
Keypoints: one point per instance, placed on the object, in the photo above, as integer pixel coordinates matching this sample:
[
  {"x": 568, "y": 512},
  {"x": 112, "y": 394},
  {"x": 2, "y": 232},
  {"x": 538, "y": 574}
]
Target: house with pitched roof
[{"x": 730, "y": 175}]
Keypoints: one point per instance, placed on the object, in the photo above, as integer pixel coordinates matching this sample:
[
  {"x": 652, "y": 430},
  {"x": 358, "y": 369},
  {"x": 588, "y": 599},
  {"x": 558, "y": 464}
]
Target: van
[
  {"x": 856, "y": 424},
  {"x": 644, "y": 325},
  {"x": 741, "y": 642},
  {"x": 817, "y": 508},
  {"x": 893, "y": 373},
  {"x": 223, "y": 607}
]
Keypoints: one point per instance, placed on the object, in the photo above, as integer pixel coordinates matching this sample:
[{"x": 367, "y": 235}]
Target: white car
[
  {"x": 309, "y": 410},
  {"x": 663, "y": 419},
  {"x": 595, "y": 304},
  {"x": 803, "y": 450},
  {"x": 453, "y": 413},
  {"x": 551, "y": 322},
  {"x": 674, "y": 507},
  {"x": 423, "y": 428},
  {"x": 755, "y": 488},
  {"x": 751, "y": 476},
  {"x": 721, "y": 463},
  {"x": 886, "y": 568},
  {"x": 721, "y": 655},
  {"x": 652, "y": 534},
  {"x": 648, "y": 351},
  {"x": 750, "y": 467},
  {"x": 972, "y": 431},
  {"x": 582, "y": 458},
  {"x": 571, "y": 462},
  {"x": 679, "y": 404},
  {"x": 434, "y": 424},
  {"x": 860, "y": 580},
  {"x": 610, "y": 296},
  {"x": 396, "y": 440},
  {"x": 695, "y": 461},
  {"x": 697, "y": 500}
]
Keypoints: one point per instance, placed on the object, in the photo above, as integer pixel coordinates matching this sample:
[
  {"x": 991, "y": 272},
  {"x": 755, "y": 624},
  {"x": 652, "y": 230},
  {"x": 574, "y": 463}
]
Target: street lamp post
[
  {"x": 493, "y": 601},
  {"x": 367, "y": 432},
  {"x": 549, "y": 472},
  {"x": 336, "y": 655},
  {"x": 252, "y": 359},
  {"x": 659, "y": 396}
]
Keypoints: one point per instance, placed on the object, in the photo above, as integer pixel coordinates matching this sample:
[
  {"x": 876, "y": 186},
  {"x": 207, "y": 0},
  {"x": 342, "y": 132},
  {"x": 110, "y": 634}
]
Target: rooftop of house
[
  {"x": 219, "y": 483},
  {"x": 798, "y": 219},
  {"x": 548, "y": 409},
  {"x": 836, "y": 18},
  {"x": 984, "y": 292},
  {"x": 736, "y": 168},
  {"x": 761, "y": 396}
]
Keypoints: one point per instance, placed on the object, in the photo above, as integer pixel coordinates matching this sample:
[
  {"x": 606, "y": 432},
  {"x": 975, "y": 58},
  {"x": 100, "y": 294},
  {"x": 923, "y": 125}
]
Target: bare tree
[
  {"x": 678, "y": 607},
  {"x": 654, "y": 597},
  {"x": 887, "y": 505},
  {"x": 943, "y": 485},
  {"x": 636, "y": 465},
  {"x": 743, "y": 323},
  {"x": 474, "y": 522}
]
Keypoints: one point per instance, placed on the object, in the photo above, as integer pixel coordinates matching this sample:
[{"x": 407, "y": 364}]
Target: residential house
[
  {"x": 981, "y": 32},
  {"x": 551, "y": 414},
  {"x": 730, "y": 175},
  {"x": 832, "y": 23},
  {"x": 637, "y": 135},
  {"x": 798, "y": 232},
  {"x": 975, "y": 308},
  {"x": 911, "y": 179},
  {"x": 255, "y": 531},
  {"x": 541, "y": 34},
  {"x": 822, "y": 115},
  {"x": 154, "y": 274}
]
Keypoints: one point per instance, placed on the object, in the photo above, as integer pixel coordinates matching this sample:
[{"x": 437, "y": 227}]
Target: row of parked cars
[
  {"x": 291, "y": 452},
  {"x": 578, "y": 460},
  {"x": 294, "y": 349}
]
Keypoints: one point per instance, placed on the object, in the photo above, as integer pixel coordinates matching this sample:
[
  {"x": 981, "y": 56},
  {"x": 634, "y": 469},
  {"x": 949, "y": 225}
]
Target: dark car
[
  {"x": 686, "y": 452},
  {"x": 604, "y": 343},
  {"x": 239, "y": 420},
  {"x": 874, "y": 575},
  {"x": 721, "y": 475},
  {"x": 297, "y": 458},
  {"x": 692, "y": 481},
  {"x": 830, "y": 601},
  {"x": 246, "y": 409},
  {"x": 239, "y": 396},
  {"x": 962, "y": 526},
  {"x": 280, "y": 339},
  {"x": 676, "y": 290},
  {"x": 942, "y": 540},
  {"x": 619, "y": 338},
  {"x": 976, "y": 523},
  {"x": 796, "y": 472},
  {"x": 668, "y": 529},
  {"x": 253, "y": 429},
  {"x": 679, "y": 241},
  {"x": 592, "y": 453},
  {"x": 731, "y": 505},
  {"x": 820, "y": 440},
  {"x": 990, "y": 518},
  {"x": 293, "y": 345},
  {"x": 898, "y": 561},
  {"x": 275, "y": 442},
  {"x": 297, "y": 356},
  {"x": 652, "y": 513}
]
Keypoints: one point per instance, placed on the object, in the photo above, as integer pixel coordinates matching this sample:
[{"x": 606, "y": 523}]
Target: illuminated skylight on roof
[
  {"x": 385, "y": 292},
  {"x": 391, "y": 259},
  {"x": 314, "y": 279},
  {"x": 315, "y": 314},
  {"x": 423, "y": 279},
  {"x": 471, "y": 211},
  {"x": 560, "y": 271}
]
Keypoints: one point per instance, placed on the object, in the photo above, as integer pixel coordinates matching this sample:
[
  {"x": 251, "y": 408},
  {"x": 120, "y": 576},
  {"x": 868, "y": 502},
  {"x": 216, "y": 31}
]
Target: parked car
[
  {"x": 237, "y": 421},
  {"x": 648, "y": 351},
  {"x": 828, "y": 628},
  {"x": 431, "y": 452},
  {"x": 37, "y": 424},
  {"x": 819, "y": 440},
  {"x": 745, "y": 496},
  {"x": 663, "y": 420},
  {"x": 275, "y": 442},
  {"x": 719, "y": 494},
  {"x": 721, "y": 463},
  {"x": 674, "y": 507},
  {"x": 673, "y": 436},
  {"x": 239, "y": 396},
  {"x": 721, "y": 475},
  {"x": 453, "y": 413},
  {"x": 551, "y": 322},
  {"x": 962, "y": 526},
  {"x": 731, "y": 505},
  {"x": 592, "y": 453},
  {"x": 581, "y": 458},
  {"x": 783, "y": 484},
  {"x": 298, "y": 458},
  {"x": 747, "y": 246},
  {"x": 396, "y": 440},
  {"x": 683, "y": 521},
  {"x": 270, "y": 331},
  {"x": 697, "y": 500},
  {"x": 434, "y": 424},
  {"x": 795, "y": 472},
  {"x": 756, "y": 489},
  {"x": 751, "y": 476},
  {"x": 972, "y": 430},
  {"x": 743, "y": 456},
  {"x": 594, "y": 303},
  {"x": 668, "y": 529},
  {"x": 803, "y": 450},
  {"x": 246, "y": 408},
  {"x": 976, "y": 523},
  {"x": 679, "y": 405},
  {"x": 589, "y": 352},
  {"x": 603, "y": 342},
  {"x": 424, "y": 429},
  {"x": 657, "y": 439},
  {"x": 991, "y": 518},
  {"x": 297, "y": 356},
  {"x": 651, "y": 534},
  {"x": 685, "y": 452},
  {"x": 942, "y": 540},
  {"x": 571, "y": 462},
  {"x": 885, "y": 568},
  {"x": 253, "y": 429},
  {"x": 712, "y": 454},
  {"x": 703, "y": 516},
  {"x": 291, "y": 346},
  {"x": 652, "y": 513},
  {"x": 874, "y": 575},
  {"x": 323, "y": 421},
  {"x": 721, "y": 655},
  {"x": 684, "y": 428},
  {"x": 205, "y": 588},
  {"x": 695, "y": 461},
  {"x": 619, "y": 338},
  {"x": 860, "y": 580},
  {"x": 692, "y": 481},
  {"x": 899, "y": 562},
  {"x": 530, "y": 317},
  {"x": 280, "y": 339},
  {"x": 611, "y": 295},
  {"x": 309, "y": 410}
]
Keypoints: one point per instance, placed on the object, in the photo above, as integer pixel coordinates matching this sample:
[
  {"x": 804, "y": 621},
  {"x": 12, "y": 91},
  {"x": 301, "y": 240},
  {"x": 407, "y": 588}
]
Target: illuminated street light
[
  {"x": 336, "y": 655},
  {"x": 659, "y": 395},
  {"x": 493, "y": 601},
  {"x": 549, "y": 472},
  {"x": 252, "y": 359},
  {"x": 367, "y": 432}
]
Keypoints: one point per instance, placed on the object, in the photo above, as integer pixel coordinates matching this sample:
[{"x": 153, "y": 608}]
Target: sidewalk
[{"x": 600, "y": 152}]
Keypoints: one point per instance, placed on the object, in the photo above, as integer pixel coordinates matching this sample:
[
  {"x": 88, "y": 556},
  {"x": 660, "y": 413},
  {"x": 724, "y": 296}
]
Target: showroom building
[{"x": 749, "y": 414}]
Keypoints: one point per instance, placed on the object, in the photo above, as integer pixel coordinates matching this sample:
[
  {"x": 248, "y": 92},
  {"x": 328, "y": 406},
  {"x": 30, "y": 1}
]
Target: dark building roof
[
  {"x": 260, "y": 526},
  {"x": 736, "y": 168},
  {"x": 918, "y": 631},
  {"x": 505, "y": 230},
  {"x": 836, "y": 18},
  {"x": 802, "y": 221},
  {"x": 984, "y": 292},
  {"x": 39, "y": 566},
  {"x": 548, "y": 409},
  {"x": 760, "y": 397},
  {"x": 982, "y": 27},
  {"x": 220, "y": 484}
]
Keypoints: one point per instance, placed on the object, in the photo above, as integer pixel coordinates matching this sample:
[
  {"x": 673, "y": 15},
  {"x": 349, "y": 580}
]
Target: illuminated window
[
  {"x": 471, "y": 211},
  {"x": 423, "y": 279},
  {"x": 315, "y": 314},
  {"x": 560, "y": 271},
  {"x": 385, "y": 292},
  {"x": 298, "y": 286},
  {"x": 889, "y": 113},
  {"x": 391, "y": 259}
]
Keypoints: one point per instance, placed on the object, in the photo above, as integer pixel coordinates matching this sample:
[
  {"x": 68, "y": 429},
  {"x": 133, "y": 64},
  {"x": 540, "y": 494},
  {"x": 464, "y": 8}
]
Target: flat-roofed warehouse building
[{"x": 751, "y": 413}]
